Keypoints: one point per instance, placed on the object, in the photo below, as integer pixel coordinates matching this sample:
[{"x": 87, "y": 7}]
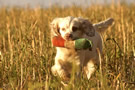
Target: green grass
[{"x": 26, "y": 54}]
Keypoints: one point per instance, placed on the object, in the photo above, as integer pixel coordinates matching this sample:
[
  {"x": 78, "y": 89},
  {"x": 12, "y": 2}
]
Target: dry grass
[{"x": 26, "y": 55}]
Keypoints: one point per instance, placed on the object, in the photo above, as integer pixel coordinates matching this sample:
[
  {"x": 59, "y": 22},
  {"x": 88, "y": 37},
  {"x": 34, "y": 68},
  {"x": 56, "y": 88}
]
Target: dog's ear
[
  {"x": 87, "y": 27},
  {"x": 103, "y": 25},
  {"x": 55, "y": 27}
]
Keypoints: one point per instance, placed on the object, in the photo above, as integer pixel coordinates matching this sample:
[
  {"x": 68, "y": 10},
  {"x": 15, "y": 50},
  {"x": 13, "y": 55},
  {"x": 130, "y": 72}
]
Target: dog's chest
[
  {"x": 70, "y": 54},
  {"x": 66, "y": 52}
]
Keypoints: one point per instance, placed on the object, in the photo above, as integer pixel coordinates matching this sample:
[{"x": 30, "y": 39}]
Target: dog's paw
[
  {"x": 65, "y": 76},
  {"x": 54, "y": 71}
]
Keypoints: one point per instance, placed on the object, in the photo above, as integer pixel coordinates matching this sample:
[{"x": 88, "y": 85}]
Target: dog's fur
[{"x": 72, "y": 28}]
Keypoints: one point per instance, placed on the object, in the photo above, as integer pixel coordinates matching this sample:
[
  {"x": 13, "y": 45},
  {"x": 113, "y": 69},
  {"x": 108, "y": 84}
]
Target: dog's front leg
[
  {"x": 61, "y": 69},
  {"x": 89, "y": 69}
]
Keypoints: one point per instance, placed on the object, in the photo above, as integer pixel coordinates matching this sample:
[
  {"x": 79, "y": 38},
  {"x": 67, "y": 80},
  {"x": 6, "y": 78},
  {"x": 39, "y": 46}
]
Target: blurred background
[
  {"x": 49, "y": 3},
  {"x": 27, "y": 55}
]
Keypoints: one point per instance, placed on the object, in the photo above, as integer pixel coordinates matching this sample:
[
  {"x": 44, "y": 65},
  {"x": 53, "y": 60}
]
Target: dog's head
[{"x": 71, "y": 28}]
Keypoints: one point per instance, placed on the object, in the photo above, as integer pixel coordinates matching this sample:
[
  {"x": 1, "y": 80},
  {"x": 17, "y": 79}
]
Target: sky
[{"x": 48, "y": 3}]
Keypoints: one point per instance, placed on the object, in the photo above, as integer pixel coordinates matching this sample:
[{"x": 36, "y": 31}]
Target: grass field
[{"x": 26, "y": 54}]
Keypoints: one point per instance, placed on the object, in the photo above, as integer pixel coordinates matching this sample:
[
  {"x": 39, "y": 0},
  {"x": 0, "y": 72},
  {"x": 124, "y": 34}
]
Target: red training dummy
[{"x": 58, "y": 41}]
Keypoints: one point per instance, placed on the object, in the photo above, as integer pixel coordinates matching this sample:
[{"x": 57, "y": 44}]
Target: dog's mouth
[
  {"x": 75, "y": 38},
  {"x": 71, "y": 38}
]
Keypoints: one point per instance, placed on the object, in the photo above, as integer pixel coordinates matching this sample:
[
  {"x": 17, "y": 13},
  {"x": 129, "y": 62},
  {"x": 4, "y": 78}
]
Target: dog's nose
[{"x": 70, "y": 35}]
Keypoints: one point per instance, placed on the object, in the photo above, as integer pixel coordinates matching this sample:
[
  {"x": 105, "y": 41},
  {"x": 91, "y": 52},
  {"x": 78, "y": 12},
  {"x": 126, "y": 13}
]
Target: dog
[{"x": 70, "y": 29}]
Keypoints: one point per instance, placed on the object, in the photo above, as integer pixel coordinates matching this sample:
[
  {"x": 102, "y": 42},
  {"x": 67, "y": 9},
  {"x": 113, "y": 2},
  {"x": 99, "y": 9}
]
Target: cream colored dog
[{"x": 72, "y": 28}]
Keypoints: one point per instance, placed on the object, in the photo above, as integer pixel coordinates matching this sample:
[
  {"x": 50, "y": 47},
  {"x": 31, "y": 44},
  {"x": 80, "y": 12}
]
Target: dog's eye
[
  {"x": 74, "y": 29},
  {"x": 63, "y": 29}
]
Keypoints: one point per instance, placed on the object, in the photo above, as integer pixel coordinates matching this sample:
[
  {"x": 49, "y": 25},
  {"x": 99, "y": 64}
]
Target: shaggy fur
[{"x": 72, "y": 28}]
